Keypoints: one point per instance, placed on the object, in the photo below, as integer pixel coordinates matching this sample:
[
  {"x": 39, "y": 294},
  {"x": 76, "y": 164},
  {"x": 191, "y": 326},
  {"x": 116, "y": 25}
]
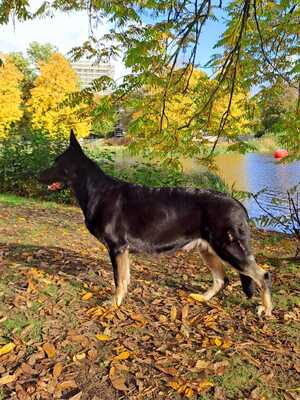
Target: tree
[
  {"x": 56, "y": 80},
  {"x": 155, "y": 38},
  {"x": 10, "y": 96},
  {"x": 39, "y": 53}
]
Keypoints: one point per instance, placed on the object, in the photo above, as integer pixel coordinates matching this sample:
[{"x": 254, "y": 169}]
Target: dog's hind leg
[
  {"x": 216, "y": 267},
  {"x": 121, "y": 269},
  {"x": 263, "y": 279}
]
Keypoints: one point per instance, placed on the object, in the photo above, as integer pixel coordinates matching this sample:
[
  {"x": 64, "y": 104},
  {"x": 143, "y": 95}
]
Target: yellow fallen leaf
[
  {"x": 197, "y": 297},
  {"x": 182, "y": 388},
  {"x": 163, "y": 318},
  {"x": 49, "y": 349},
  {"x": 122, "y": 356},
  {"x": 174, "y": 385},
  {"x": 173, "y": 313},
  {"x": 189, "y": 393},
  {"x": 7, "y": 348},
  {"x": 87, "y": 296},
  {"x": 79, "y": 357},
  {"x": 226, "y": 344},
  {"x": 205, "y": 385},
  {"x": 103, "y": 338},
  {"x": 5, "y": 380},
  {"x": 202, "y": 364},
  {"x": 218, "y": 342},
  {"x": 57, "y": 369}
]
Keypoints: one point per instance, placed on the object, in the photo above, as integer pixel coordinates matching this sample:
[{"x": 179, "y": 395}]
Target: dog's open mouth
[{"x": 55, "y": 186}]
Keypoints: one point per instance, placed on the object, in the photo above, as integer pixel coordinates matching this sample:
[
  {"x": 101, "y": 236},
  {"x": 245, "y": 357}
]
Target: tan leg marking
[
  {"x": 216, "y": 268},
  {"x": 258, "y": 274},
  {"x": 123, "y": 277}
]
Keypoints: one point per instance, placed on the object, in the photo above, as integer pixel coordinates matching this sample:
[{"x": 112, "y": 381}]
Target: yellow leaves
[
  {"x": 49, "y": 349},
  {"x": 57, "y": 370},
  {"x": 183, "y": 389},
  {"x": 79, "y": 357},
  {"x": 205, "y": 385},
  {"x": 197, "y": 297},
  {"x": 5, "y": 380},
  {"x": 87, "y": 296},
  {"x": 7, "y": 348},
  {"x": 173, "y": 313},
  {"x": 10, "y": 96},
  {"x": 122, "y": 356},
  {"x": 217, "y": 342},
  {"x": 56, "y": 80},
  {"x": 103, "y": 338}
]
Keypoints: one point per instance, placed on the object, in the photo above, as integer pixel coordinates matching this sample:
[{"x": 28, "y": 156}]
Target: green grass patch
[{"x": 240, "y": 379}]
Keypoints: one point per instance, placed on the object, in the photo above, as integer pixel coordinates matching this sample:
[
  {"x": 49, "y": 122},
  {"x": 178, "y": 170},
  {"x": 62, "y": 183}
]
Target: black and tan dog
[{"x": 132, "y": 218}]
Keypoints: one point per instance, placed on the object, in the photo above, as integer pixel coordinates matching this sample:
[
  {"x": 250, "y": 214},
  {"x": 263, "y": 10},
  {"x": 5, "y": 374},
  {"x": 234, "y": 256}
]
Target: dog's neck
[{"x": 90, "y": 182}]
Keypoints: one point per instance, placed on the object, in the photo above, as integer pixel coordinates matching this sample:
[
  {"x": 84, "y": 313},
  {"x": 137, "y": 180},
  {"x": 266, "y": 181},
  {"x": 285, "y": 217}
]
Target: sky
[{"x": 67, "y": 30}]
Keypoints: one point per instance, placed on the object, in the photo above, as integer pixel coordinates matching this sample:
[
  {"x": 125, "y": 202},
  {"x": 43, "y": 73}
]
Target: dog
[{"x": 132, "y": 218}]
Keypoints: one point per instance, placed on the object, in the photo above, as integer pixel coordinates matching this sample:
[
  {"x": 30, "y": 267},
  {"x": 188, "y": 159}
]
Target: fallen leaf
[
  {"x": 49, "y": 350},
  {"x": 103, "y": 338},
  {"x": 7, "y": 348},
  {"x": 217, "y": 342},
  {"x": 5, "y": 380},
  {"x": 174, "y": 385},
  {"x": 117, "y": 380},
  {"x": 185, "y": 312},
  {"x": 205, "y": 385},
  {"x": 163, "y": 318},
  {"x": 122, "y": 356},
  {"x": 202, "y": 364},
  {"x": 79, "y": 357},
  {"x": 189, "y": 393},
  {"x": 173, "y": 313},
  {"x": 57, "y": 369},
  {"x": 67, "y": 385},
  {"x": 87, "y": 296},
  {"x": 226, "y": 344},
  {"x": 197, "y": 297}
]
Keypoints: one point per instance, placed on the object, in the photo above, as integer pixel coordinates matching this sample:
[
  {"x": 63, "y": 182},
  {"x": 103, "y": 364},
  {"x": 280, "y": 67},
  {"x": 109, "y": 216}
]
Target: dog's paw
[
  {"x": 263, "y": 310},
  {"x": 111, "y": 303}
]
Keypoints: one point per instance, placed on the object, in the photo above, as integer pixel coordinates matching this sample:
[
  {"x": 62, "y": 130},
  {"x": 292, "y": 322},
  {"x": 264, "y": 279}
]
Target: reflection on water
[{"x": 253, "y": 172}]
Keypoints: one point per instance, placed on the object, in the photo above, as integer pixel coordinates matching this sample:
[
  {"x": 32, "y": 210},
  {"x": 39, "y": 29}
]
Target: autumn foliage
[
  {"x": 57, "y": 79},
  {"x": 10, "y": 96}
]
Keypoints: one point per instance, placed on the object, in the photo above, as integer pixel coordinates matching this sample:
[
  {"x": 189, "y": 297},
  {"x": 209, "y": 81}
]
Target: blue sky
[{"x": 67, "y": 30}]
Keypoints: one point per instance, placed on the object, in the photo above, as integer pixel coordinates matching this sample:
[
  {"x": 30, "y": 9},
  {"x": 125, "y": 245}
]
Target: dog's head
[{"x": 64, "y": 170}]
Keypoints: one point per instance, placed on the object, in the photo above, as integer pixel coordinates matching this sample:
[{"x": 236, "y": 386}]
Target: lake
[{"x": 254, "y": 171}]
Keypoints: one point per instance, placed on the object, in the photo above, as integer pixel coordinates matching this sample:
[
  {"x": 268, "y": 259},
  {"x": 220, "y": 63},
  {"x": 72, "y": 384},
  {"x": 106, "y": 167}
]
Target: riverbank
[{"x": 63, "y": 342}]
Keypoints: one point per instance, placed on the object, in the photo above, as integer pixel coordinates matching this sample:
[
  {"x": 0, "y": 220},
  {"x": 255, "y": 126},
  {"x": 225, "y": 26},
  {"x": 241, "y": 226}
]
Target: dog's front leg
[{"x": 121, "y": 270}]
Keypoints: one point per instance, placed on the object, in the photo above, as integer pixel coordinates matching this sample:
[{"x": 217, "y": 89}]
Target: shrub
[{"x": 22, "y": 160}]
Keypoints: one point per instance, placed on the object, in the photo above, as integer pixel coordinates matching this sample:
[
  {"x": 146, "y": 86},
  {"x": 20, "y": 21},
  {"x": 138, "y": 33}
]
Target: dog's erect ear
[{"x": 74, "y": 144}]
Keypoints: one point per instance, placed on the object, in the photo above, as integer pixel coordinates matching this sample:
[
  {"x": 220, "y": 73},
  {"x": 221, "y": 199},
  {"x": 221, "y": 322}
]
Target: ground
[{"x": 58, "y": 341}]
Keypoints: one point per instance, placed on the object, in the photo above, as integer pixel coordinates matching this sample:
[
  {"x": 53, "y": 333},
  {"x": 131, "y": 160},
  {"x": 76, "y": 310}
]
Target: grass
[{"x": 49, "y": 260}]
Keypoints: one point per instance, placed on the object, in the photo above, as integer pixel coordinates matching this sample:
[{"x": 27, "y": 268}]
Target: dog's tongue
[{"x": 55, "y": 186}]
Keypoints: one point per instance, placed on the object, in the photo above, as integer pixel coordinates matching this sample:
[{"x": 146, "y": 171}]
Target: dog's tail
[{"x": 248, "y": 285}]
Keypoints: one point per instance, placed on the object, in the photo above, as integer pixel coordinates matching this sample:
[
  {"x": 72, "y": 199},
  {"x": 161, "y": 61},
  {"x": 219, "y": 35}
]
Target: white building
[{"x": 88, "y": 72}]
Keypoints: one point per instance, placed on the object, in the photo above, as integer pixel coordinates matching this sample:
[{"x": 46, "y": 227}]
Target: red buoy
[{"x": 280, "y": 153}]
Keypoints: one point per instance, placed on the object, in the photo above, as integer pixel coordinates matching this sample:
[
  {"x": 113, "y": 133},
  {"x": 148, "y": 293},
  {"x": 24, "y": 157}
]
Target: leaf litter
[{"x": 59, "y": 341}]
